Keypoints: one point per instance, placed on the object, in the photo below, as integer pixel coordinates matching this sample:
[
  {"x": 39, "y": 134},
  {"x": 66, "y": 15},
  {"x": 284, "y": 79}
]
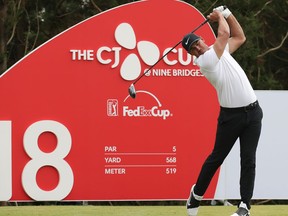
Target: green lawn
[{"x": 259, "y": 210}]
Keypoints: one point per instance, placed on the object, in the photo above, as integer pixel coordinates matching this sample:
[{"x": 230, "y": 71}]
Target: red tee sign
[{"x": 69, "y": 129}]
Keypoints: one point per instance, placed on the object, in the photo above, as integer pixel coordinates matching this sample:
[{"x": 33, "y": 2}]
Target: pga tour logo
[
  {"x": 139, "y": 111},
  {"x": 112, "y": 107}
]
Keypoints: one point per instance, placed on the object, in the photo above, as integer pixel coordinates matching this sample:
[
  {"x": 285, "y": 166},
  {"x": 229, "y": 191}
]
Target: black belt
[{"x": 244, "y": 108}]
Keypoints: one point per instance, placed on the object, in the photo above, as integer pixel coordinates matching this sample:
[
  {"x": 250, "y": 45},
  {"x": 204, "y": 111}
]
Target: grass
[{"x": 259, "y": 210}]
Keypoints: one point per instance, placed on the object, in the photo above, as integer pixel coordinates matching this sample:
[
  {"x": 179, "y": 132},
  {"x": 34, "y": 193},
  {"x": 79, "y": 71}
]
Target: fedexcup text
[{"x": 141, "y": 111}]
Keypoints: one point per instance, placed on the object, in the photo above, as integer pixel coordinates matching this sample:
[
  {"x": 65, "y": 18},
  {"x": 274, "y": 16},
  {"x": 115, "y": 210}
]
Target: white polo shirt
[{"x": 228, "y": 78}]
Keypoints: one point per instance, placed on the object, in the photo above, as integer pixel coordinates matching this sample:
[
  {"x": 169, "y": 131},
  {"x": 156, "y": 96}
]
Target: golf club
[{"x": 131, "y": 89}]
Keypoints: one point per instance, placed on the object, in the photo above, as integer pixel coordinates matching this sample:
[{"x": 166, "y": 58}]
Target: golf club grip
[{"x": 203, "y": 23}]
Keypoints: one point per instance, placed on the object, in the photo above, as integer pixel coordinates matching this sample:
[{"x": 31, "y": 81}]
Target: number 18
[{"x": 38, "y": 159}]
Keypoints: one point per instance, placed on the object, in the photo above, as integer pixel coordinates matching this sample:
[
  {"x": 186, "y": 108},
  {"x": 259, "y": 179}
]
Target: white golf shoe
[
  {"x": 193, "y": 203},
  {"x": 242, "y": 210}
]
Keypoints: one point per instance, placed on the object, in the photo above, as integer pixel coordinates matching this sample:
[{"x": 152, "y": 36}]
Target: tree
[
  {"x": 26, "y": 24},
  {"x": 3, "y": 15},
  {"x": 263, "y": 55}
]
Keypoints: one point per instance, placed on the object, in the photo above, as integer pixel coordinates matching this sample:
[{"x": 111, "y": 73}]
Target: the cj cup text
[
  {"x": 141, "y": 111},
  {"x": 38, "y": 159},
  {"x": 107, "y": 55}
]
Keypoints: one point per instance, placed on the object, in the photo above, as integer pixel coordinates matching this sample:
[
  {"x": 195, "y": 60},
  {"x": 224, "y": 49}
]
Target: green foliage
[
  {"x": 30, "y": 23},
  {"x": 264, "y": 22}
]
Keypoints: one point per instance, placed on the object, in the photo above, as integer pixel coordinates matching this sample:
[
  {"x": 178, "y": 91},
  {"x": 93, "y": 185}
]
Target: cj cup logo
[{"x": 148, "y": 51}]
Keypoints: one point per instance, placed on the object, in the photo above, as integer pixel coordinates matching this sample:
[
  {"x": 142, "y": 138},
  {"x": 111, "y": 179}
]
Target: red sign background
[{"x": 134, "y": 153}]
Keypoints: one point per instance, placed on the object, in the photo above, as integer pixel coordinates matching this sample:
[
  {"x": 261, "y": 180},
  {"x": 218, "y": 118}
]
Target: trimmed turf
[{"x": 259, "y": 210}]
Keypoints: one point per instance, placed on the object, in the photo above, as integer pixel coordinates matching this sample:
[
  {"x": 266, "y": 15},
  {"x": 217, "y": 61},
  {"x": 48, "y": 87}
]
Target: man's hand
[
  {"x": 220, "y": 8},
  {"x": 214, "y": 16}
]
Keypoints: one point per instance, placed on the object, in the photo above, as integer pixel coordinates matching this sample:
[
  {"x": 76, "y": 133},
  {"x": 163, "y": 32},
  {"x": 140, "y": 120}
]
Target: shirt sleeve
[{"x": 208, "y": 61}]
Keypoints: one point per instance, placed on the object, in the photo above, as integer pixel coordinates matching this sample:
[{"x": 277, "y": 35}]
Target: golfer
[{"x": 240, "y": 114}]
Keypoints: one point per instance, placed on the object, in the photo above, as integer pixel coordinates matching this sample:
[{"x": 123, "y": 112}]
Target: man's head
[
  {"x": 189, "y": 40},
  {"x": 194, "y": 44}
]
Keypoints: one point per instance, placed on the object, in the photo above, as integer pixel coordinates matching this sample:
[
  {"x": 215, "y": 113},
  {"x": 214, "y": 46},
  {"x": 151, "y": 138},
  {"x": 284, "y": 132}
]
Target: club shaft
[
  {"x": 156, "y": 63},
  {"x": 203, "y": 23}
]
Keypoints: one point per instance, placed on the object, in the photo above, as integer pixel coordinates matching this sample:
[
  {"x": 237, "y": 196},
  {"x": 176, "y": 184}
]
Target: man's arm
[
  {"x": 237, "y": 35},
  {"x": 223, "y": 32}
]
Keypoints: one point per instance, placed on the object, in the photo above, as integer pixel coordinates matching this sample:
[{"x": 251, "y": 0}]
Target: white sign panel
[{"x": 272, "y": 154}]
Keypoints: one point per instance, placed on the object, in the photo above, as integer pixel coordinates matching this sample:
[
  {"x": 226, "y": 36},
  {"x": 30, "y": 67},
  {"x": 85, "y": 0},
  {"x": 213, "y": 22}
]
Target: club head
[{"x": 132, "y": 91}]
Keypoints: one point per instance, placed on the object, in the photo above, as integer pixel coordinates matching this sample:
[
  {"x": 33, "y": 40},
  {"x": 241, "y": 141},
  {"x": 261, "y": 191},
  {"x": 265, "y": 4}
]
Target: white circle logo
[{"x": 148, "y": 51}]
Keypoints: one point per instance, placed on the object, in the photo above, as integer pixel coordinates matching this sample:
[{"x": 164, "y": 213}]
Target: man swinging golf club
[{"x": 240, "y": 114}]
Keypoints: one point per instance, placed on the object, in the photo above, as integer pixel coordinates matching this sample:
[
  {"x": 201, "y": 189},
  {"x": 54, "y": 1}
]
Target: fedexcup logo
[{"x": 139, "y": 111}]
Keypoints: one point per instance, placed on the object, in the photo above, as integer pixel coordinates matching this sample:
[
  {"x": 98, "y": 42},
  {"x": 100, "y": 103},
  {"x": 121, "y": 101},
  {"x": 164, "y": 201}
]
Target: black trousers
[{"x": 233, "y": 123}]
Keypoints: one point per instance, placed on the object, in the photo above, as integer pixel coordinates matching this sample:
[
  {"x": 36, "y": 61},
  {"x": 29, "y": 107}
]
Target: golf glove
[{"x": 224, "y": 11}]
